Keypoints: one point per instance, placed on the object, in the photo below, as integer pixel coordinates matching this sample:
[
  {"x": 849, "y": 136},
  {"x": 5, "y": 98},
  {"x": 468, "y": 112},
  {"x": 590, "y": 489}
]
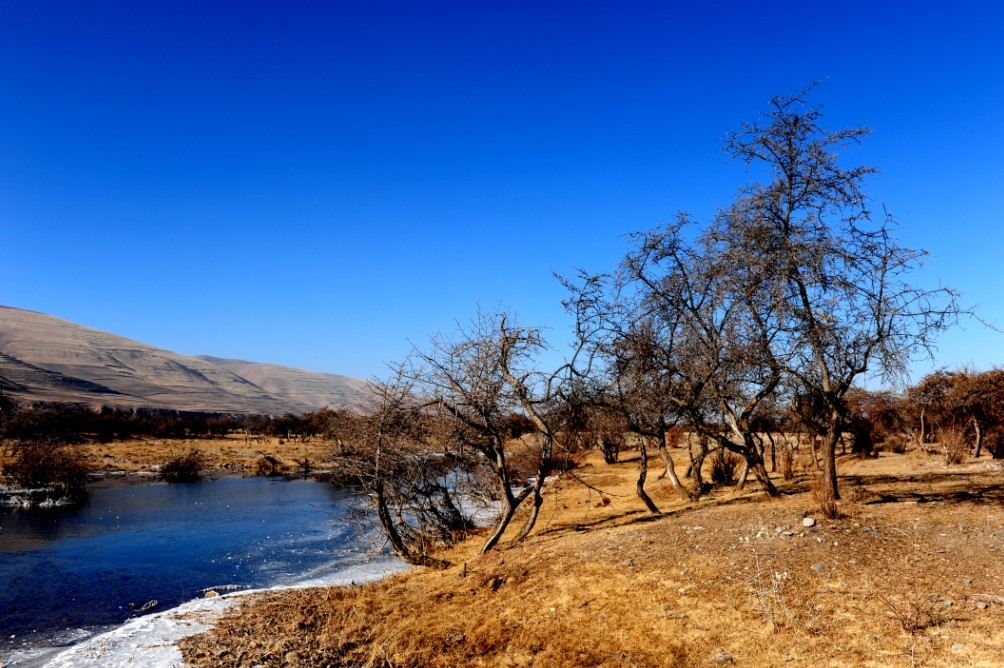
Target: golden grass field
[{"x": 911, "y": 575}]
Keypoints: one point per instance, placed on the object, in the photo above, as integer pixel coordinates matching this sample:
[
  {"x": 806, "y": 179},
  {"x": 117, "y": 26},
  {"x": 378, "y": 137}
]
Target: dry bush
[
  {"x": 993, "y": 440},
  {"x": 183, "y": 467},
  {"x": 784, "y": 604},
  {"x": 916, "y": 612},
  {"x": 724, "y": 467},
  {"x": 769, "y": 595},
  {"x": 898, "y": 443},
  {"x": 46, "y": 464},
  {"x": 953, "y": 445}
]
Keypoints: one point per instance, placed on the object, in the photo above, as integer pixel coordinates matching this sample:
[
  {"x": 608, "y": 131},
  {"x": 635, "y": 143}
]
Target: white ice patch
[{"x": 151, "y": 641}]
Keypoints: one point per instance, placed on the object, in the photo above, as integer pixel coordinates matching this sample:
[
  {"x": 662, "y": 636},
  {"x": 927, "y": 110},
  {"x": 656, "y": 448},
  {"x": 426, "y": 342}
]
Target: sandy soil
[{"x": 910, "y": 576}]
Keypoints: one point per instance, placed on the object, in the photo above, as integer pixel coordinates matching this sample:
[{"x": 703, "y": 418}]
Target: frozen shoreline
[{"x": 151, "y": 640}]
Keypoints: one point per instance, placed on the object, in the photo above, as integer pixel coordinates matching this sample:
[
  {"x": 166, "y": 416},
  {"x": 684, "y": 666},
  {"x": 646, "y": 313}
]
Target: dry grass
[
  {"x": 233, "y": 454},
  {"x": 603, "y": 583}
]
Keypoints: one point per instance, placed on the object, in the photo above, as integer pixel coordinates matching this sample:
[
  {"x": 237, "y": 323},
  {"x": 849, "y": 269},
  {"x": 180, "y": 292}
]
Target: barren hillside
[
  {"x": 309, "y": 388},
  {"x": 43, "y": 358}
]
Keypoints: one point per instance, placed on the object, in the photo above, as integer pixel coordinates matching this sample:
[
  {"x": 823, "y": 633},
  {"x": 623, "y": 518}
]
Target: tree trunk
[
  {"x": 697, "y": 466},
  {"x": 828, "y": 492},
  {"x": 642, "y": 474},
  {"x": 741, "y": 483},
  {"x": 922, "y": 434},
  {"x": 543, "y": 469},
  {"x": 511, "y": 502},
  {"x": 773, "y": 453},
  {"x": 538, "y": 500},
  {"x": 815, "y": 450},
  {"x": 760, "y": 473},
  {"x": 670, "y": 469},
  {"x": 752, "y": 461},
  {"x": 979, "y": 437},
  {"x": 394, "y": 536}
]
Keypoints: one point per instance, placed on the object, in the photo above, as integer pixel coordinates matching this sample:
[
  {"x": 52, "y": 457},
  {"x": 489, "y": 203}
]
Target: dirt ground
[{"x": 911, "y": 575}]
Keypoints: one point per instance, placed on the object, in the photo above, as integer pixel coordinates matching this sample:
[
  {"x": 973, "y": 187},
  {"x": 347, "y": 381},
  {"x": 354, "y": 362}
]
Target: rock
[
  {"x": 819, "y": 567},
  {"x": 968, "y": 582},
  {"x": 873, "y": 638},
  {"x": 292, "y": 658},
  {"x": 947, "y": 603},
  {"x": 722, "y": 657},
  {"x": 789, "y": 533},
  {"x": 778, "y": 529},
  {"x": 958, "y": 647},
  {"x": 809, "y": 522},
  {"x": 982, "y": 605}
]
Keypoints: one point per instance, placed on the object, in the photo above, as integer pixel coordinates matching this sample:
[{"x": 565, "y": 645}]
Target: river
[{"x": 67, "y": 573}]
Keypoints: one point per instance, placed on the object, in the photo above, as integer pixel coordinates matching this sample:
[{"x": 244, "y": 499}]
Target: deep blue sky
[{"x": 314, "y": 184}]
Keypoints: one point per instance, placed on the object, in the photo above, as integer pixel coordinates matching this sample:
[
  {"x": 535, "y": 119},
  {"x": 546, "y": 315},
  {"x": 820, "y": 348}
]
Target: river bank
[
  {"x": 909, "y": 574},
  {"x": 152, "y": 641}
]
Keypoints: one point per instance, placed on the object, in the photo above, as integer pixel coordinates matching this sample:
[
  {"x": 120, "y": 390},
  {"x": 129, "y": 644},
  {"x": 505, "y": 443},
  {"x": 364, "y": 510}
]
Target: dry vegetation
[
  {"x": 909, "y": 575},
  {"x": 234, "y": 454}
]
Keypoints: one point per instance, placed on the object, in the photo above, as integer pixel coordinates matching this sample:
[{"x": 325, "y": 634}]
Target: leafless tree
[
  {"x": 684, "y": 340},
  {"x": 842, "y": 280},
  {"x": 413, "y": 478},
  {"x": 475, "y": 381},
  {"x": 792, "y": 292}
]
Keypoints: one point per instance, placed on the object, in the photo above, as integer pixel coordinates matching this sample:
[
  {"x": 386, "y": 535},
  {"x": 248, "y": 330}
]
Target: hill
[
  {"x": 44, "y": 358},
  {"x": 308, "y": 388}
]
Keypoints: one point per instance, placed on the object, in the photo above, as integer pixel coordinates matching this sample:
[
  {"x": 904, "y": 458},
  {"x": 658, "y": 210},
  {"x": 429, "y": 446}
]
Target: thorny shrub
[
  {"x": 953, "y": 445},
  {"x": 183, "y": 467},
  {"x": 916, "y": 612},
  {"x": 47, "y": 464},
  {"x": 724, "y": 467},
  {"x": 786, "y": 460},
  {"x": 784, "y": 604}
]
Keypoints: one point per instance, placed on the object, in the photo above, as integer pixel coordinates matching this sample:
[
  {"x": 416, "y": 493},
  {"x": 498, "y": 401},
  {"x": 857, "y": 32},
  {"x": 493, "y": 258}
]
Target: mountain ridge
[{"x": 46, "y": 358}]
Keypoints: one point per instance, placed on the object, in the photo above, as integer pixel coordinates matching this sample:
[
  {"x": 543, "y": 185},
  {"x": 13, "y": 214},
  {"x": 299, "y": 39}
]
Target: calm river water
[{"x": 67, "y": 570}]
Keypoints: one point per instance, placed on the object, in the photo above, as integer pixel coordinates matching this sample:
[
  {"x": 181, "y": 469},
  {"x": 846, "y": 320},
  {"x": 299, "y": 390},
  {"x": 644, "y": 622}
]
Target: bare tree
[
  {"x": 474, "y": 381},
  {"x": 684, "y": 341},
  {"x": 843, "y": 280},
  {"x": 413, "y": 478},
  {"x": 793, "y": 291}
]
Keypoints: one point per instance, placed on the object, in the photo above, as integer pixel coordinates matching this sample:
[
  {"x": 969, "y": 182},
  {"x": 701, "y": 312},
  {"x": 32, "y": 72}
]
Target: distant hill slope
[
  {"x": 309, "y": 388},
  {"x": 43, "y": 358}
]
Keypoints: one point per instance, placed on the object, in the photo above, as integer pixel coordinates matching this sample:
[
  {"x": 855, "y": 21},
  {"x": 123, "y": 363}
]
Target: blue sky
[{"x": 317, "y": 184}]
